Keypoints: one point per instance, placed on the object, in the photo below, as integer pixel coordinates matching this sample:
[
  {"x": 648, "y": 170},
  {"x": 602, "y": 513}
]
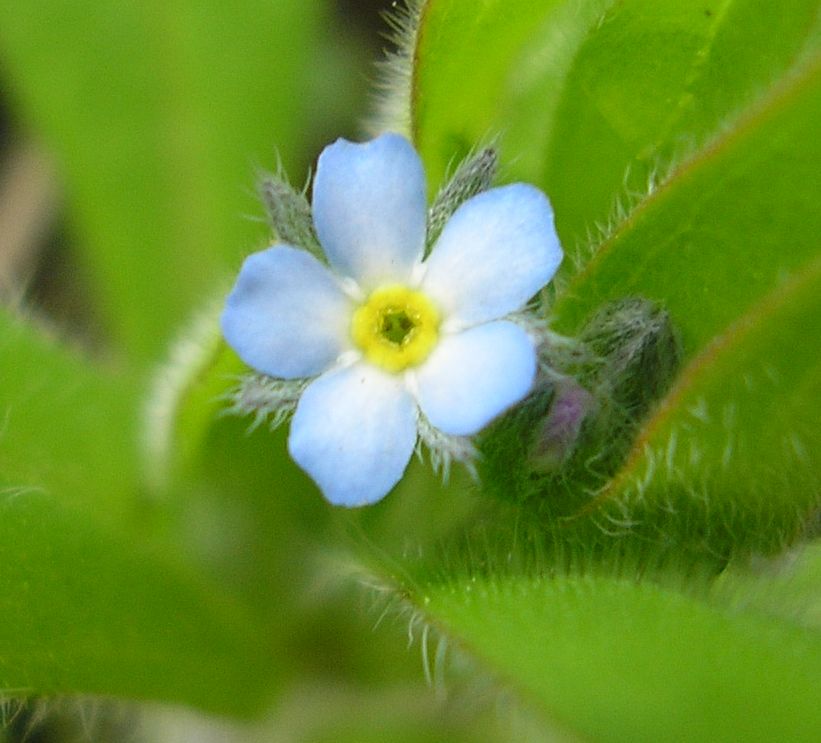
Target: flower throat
[{"x": 396, "y": 327}]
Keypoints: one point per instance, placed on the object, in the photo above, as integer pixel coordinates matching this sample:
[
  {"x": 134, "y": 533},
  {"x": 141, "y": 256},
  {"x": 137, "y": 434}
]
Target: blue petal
[
  {"x": 369, "y": 208},
  {"x": 474, "y": 375},
  {"x": 353, "y": 432},
  {"x": 496, "y": 251},
  {"x": 287, "y": 316}
]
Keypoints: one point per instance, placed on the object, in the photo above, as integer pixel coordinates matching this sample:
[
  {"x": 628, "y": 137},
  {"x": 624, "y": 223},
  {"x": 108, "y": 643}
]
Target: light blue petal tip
[{"x": 369, "y": 208}]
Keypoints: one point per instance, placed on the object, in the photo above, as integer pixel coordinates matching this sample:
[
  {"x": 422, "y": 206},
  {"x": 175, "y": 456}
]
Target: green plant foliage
[
  {"x": 736, "y": 264},
  {"x": 590, "y": 99},
  {"x": 730, "y": 456},
  {"x": 614, "y": 659},
  {"x": 85, "y": 610},
  {"x": 156, "y": 546},
  {"x": 68, "y": 428},
  {"x": 679, "y": 146},
  {"x": 85, "y": 613},
  {"x": 158, "y": 113},
  {"x": 686, "y": 137}
]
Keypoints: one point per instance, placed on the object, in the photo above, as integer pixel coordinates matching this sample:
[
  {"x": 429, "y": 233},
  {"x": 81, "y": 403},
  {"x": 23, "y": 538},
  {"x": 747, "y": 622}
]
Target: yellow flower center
[{"x": 396, "y": 327}]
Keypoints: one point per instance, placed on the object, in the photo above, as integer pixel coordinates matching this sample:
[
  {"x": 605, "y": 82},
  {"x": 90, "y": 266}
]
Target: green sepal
[{"x": 289, "y": 214}]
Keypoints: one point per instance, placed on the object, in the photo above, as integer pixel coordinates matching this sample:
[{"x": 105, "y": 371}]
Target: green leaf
[
  {"x": 84, "y": 610},
  {"x": 590, "y": 99},
  {"x": 470, "y": 61},
  {"x": 729, "y": 244},
  {"x": 84, "y": 613},
  {"x": 158, "y": 113},
  {"x": 67, "y": 428},
  {"x": 614, "y": 659}
]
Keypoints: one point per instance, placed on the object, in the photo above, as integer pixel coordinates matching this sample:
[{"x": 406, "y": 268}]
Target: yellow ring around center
[{"x": 374, "y": 321}]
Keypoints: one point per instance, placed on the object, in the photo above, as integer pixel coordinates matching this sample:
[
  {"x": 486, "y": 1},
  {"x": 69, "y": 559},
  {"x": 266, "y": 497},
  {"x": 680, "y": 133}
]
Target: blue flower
[{"x": 389, "y": 339}]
